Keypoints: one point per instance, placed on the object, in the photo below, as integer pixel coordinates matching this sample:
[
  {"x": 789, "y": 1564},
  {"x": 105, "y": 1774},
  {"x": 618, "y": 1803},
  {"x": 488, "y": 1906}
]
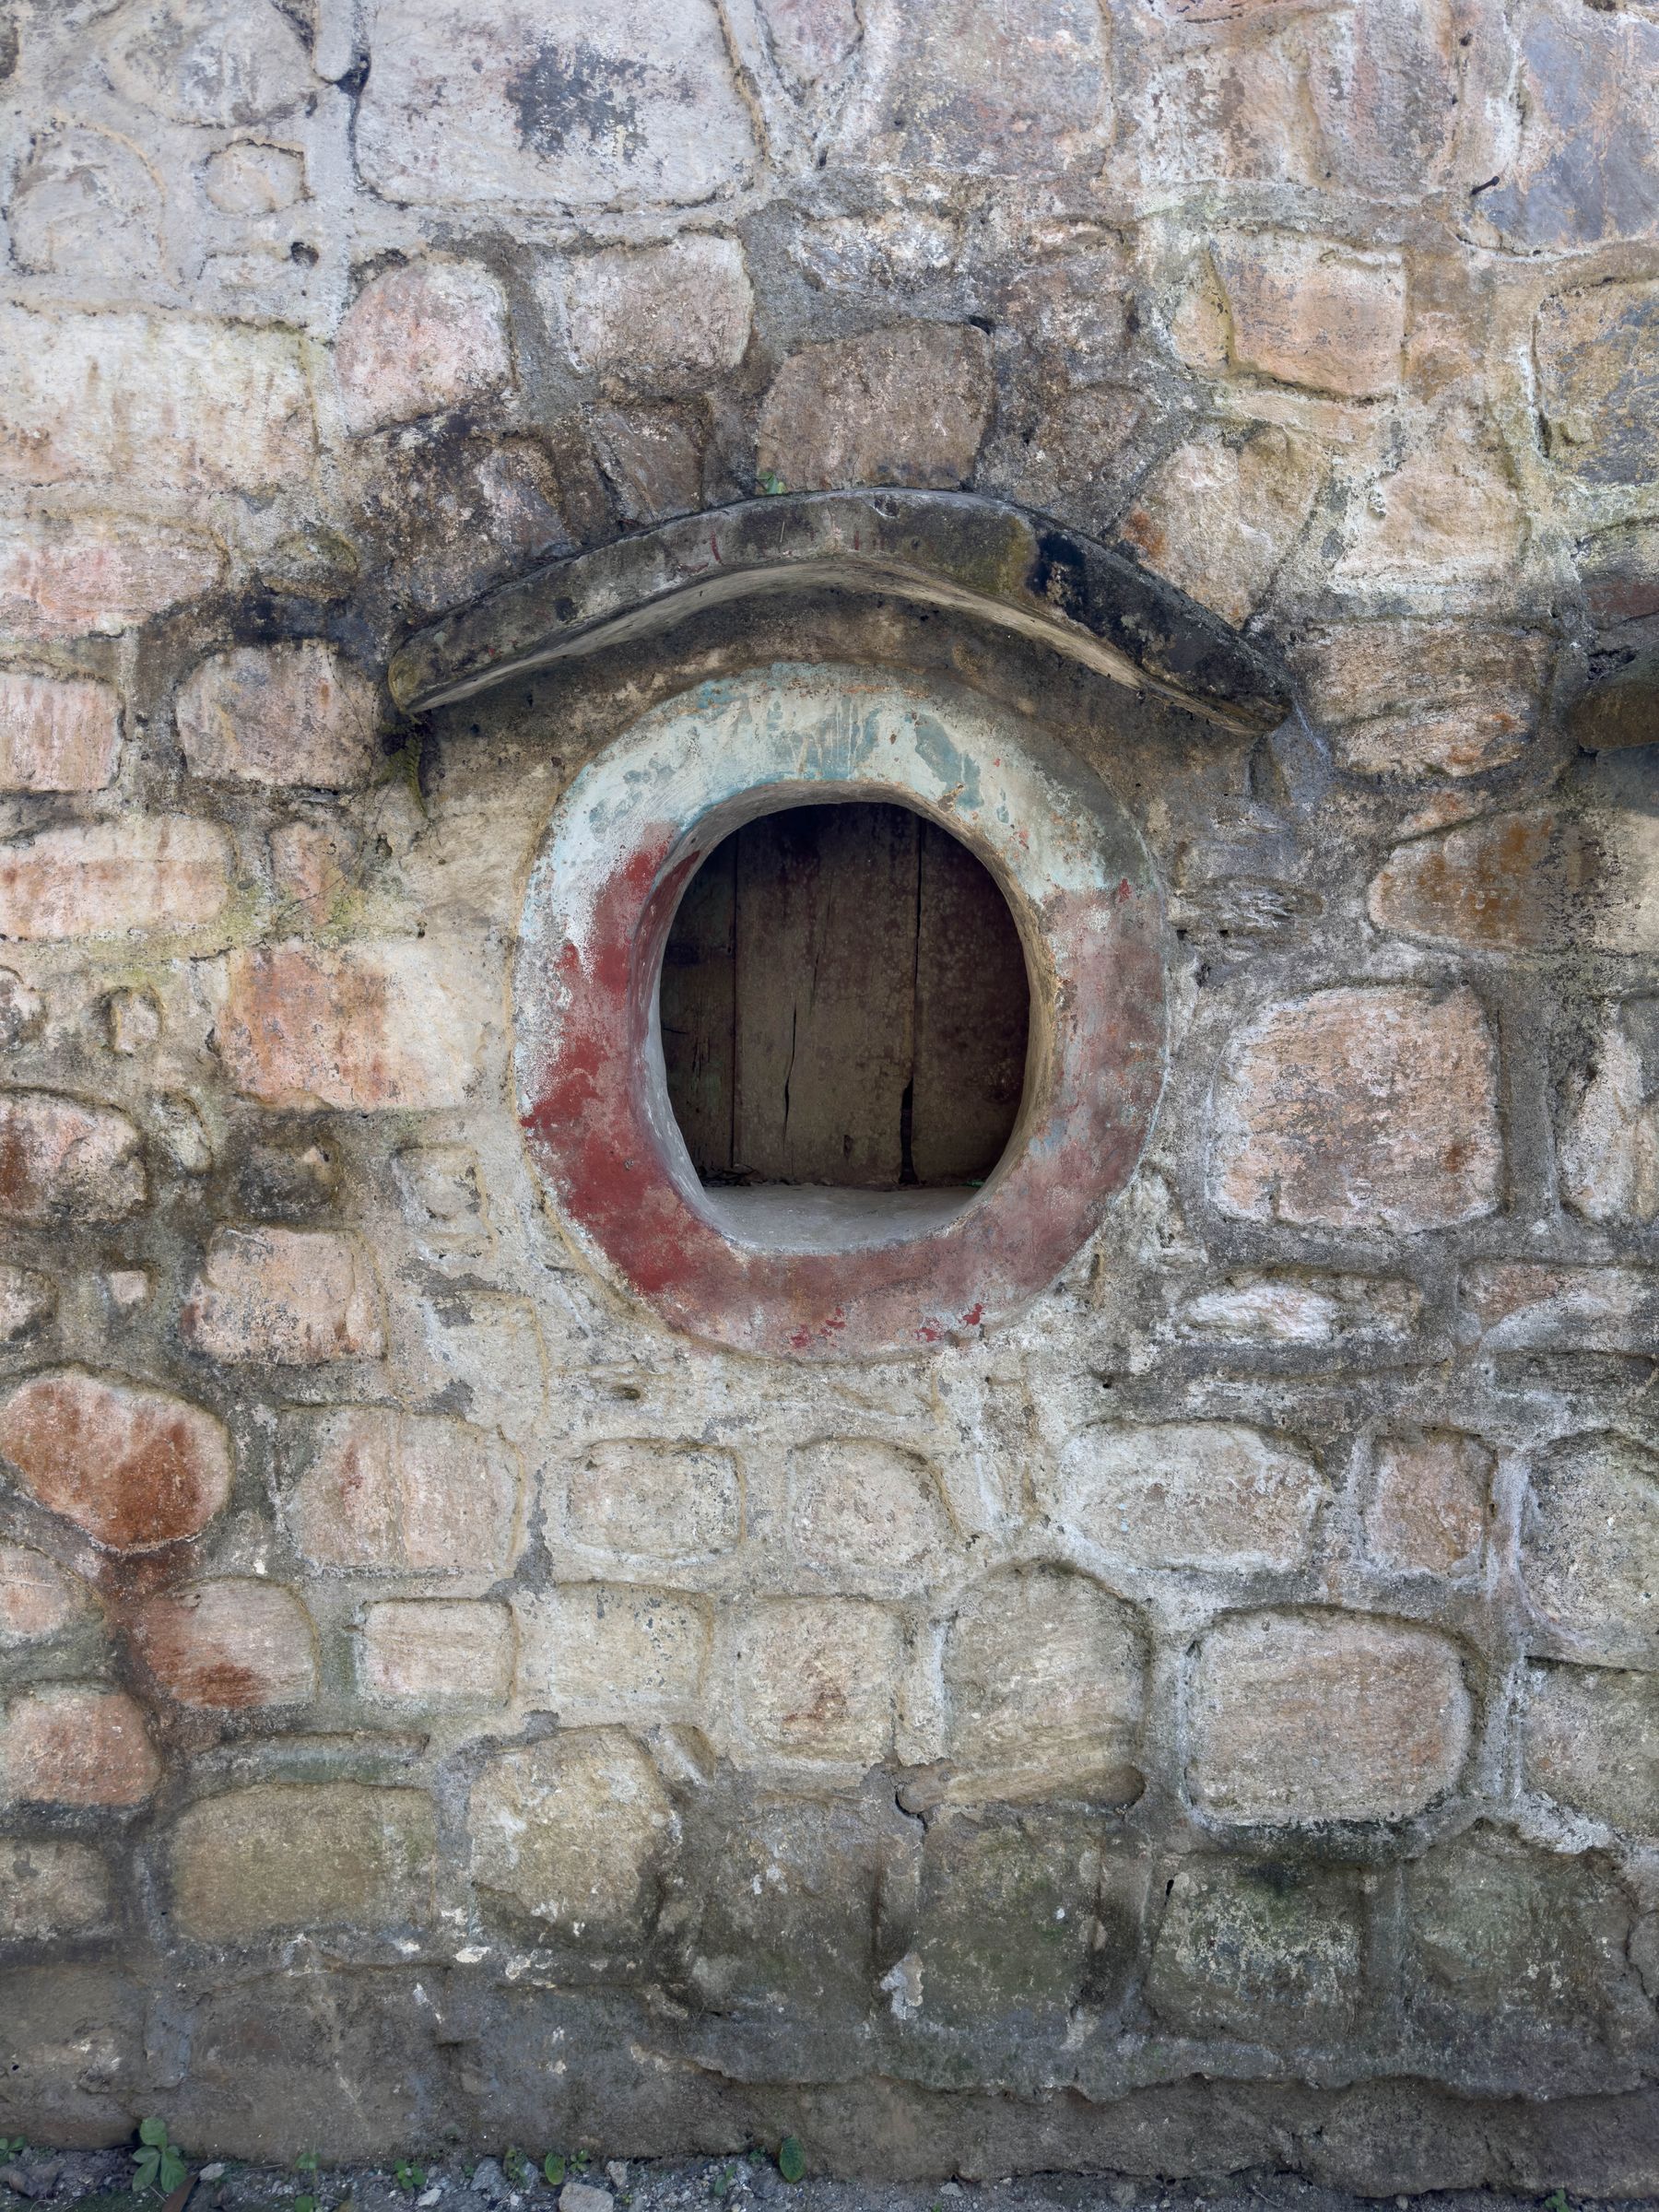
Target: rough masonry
[{"x": 1210, "y": 1719}]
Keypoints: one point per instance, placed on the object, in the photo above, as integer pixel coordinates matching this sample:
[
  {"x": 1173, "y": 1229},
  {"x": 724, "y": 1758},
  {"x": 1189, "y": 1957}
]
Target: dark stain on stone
[{"x": 567, "y": 92}]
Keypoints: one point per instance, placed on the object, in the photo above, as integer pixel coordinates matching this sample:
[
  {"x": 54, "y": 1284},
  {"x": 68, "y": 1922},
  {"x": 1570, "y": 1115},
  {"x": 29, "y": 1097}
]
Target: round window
[{"x": 840, "y": 1012}]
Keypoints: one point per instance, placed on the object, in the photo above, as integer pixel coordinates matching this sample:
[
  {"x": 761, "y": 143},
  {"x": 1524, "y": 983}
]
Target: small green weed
[
  {"x": 515, "y": 2165},
  {"x": 12, "y": 2147},
  {"x": 553, "y": 2168},
  {"x": 772, "y": 484},
  {"x": 792, "y": 2159},
  {"x": 408, "y": 2177},
  {"x": 157, "y": 2164},
  {"x": 1556, "y": 2201}
]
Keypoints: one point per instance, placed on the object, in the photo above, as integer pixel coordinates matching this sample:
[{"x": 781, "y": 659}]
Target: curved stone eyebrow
[{"x": 989, "y": 558}]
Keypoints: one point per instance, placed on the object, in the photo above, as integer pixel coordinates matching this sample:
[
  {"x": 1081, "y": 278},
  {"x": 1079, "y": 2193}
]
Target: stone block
[
  {"x": 312, "y": 864},
  {"x": 76, "y": 2034},
  {"x": 1585, "y": 170},
  {"x": 1424, "y": 698},
  {"x": 416, "y": 339},
  {"x": 575, "y": 1833},
  {"x": 1495, "y": 1927},
  {"x": 448, "y": 509},
  {"x": 1516, "y": 1304},
  {"x": 76, "y": 1743},
  {"x": 817, "y": 1678},
  {"x": 68, "y": 576},
  {"x": 788, "y": 1920},
  {"x": 1281, "y": 1306},
  {"x": 1366, "y": 1108},
  {"x": 1590, "y": 1739},
  {"x": 1218, "y": 515},
  {"x": 56, "y": 733},
  {"x": 652, "y": 458},
  {"x": 1511, "y": 882},
  {"x": 1610, "y": 1142},
  {"x": 1298, "y": 1717},
  {"x": 660, "y": 318},
  {"x": 1431, "y": 1502},
  {"x": 1261, "y": 1954},
  {"x": 1308, "y": 312},
  {"x": 63, "y": 1161},
  {"x": 38, "y": 1598},
  {"x": 612, "y": 1650},
  {"x": 811, "y": 40},
  {"x": 27, "y": 1301},
  {"x": 289, "y": 1297},
  {"x": 132, "y": 1023},
  {"x": 159, "y": 403},
  {"x": 111, "y": 879},
  {"x": 909, "y": 405},
  {"x": 861, "y": 1509},
  {"x": 136, "y": 1468},
  {"x": 1598, "y": 370},
  {"x": 400, "y": 1492},
  {"x": 297, "y": 714},
  {"x": 437, "y": 1650},
  {"x": 1590, "y": 1546},
  {"x": 1044, "y": 1679},
  {"x": 641, "y": 1498},
  {"x": 1448, "y": 517},
  {"x": 228, "y": 1645},
  {"x": 997, "y": 88},
  {"x": 373, "y": 1026},
  {"x": 548, "y": 105},
  {"x": 218, "y": 63},
  {"x": 1206, "y": 1494},
  {"x": 1011, "y": 1922},
  {"x": 303, "y": 1855},
  {"x": 50, "y": 1886},
  {"x": 247, "y": 178},
  {"x": 85, "y": 206}
]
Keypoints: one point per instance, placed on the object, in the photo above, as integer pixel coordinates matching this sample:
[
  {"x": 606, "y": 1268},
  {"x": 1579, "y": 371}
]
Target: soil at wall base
[{"x": 475, "y": 2181}]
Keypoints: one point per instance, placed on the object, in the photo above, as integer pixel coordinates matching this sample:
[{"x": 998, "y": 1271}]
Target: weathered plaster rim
[{"x": 623, "y": 843}]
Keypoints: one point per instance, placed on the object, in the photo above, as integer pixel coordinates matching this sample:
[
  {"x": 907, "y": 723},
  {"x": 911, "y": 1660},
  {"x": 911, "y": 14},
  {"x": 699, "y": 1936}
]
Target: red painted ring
[{"x": 623, "y": 843}]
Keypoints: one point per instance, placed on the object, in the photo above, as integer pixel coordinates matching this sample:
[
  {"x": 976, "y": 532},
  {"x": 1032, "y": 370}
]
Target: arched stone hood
[{"x": 994, "y": 561}]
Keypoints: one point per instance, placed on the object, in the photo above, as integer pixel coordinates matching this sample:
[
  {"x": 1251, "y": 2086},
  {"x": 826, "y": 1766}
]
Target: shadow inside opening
[{"x": 844, "y": 1009}]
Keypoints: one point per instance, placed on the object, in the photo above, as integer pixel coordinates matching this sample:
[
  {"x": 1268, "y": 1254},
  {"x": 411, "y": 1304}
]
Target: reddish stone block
[
  {"x": 63, "y": 577},
  {"x": 1429, "y": 1502},
  {"x": 1308, "y": 312},
  {"x": 56, "y": 734},
  {"x": 64, "y": 1161},
  {"x": 1367, "y": 1109},
  {"x": 106, "y": 880},
  {"x": 228, "y": 1645},
  {"x": 279, "y": 714},
  {"x": 135, "y": 1468},
  {"x": 1324, "y": 1716},
  {"x": 420, "y": 338},
  {"x": 369, "y": 1026},
  {"x": 389, "y": 1491},
  {"x": 293, "y": 1297},
  {"x": 71, "y": 1745}
]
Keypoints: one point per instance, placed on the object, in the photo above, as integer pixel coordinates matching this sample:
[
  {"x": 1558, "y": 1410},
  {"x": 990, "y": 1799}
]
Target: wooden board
[
  {"x": 973, "y": 1009},
  {"x": 826, "y": 993},
  {"x": 844, "y": 1001}
]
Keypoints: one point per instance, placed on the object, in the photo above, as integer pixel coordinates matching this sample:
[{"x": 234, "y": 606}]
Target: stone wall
[{"x": 1209, "y": 1721}]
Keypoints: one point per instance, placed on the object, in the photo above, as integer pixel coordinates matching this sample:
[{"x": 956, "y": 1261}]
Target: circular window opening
[{"x": 844, "y": 1010}]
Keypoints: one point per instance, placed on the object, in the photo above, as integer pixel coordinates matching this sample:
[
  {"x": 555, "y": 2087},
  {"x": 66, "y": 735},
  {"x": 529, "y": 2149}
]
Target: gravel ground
[{"x": 40, "y": 2180}]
